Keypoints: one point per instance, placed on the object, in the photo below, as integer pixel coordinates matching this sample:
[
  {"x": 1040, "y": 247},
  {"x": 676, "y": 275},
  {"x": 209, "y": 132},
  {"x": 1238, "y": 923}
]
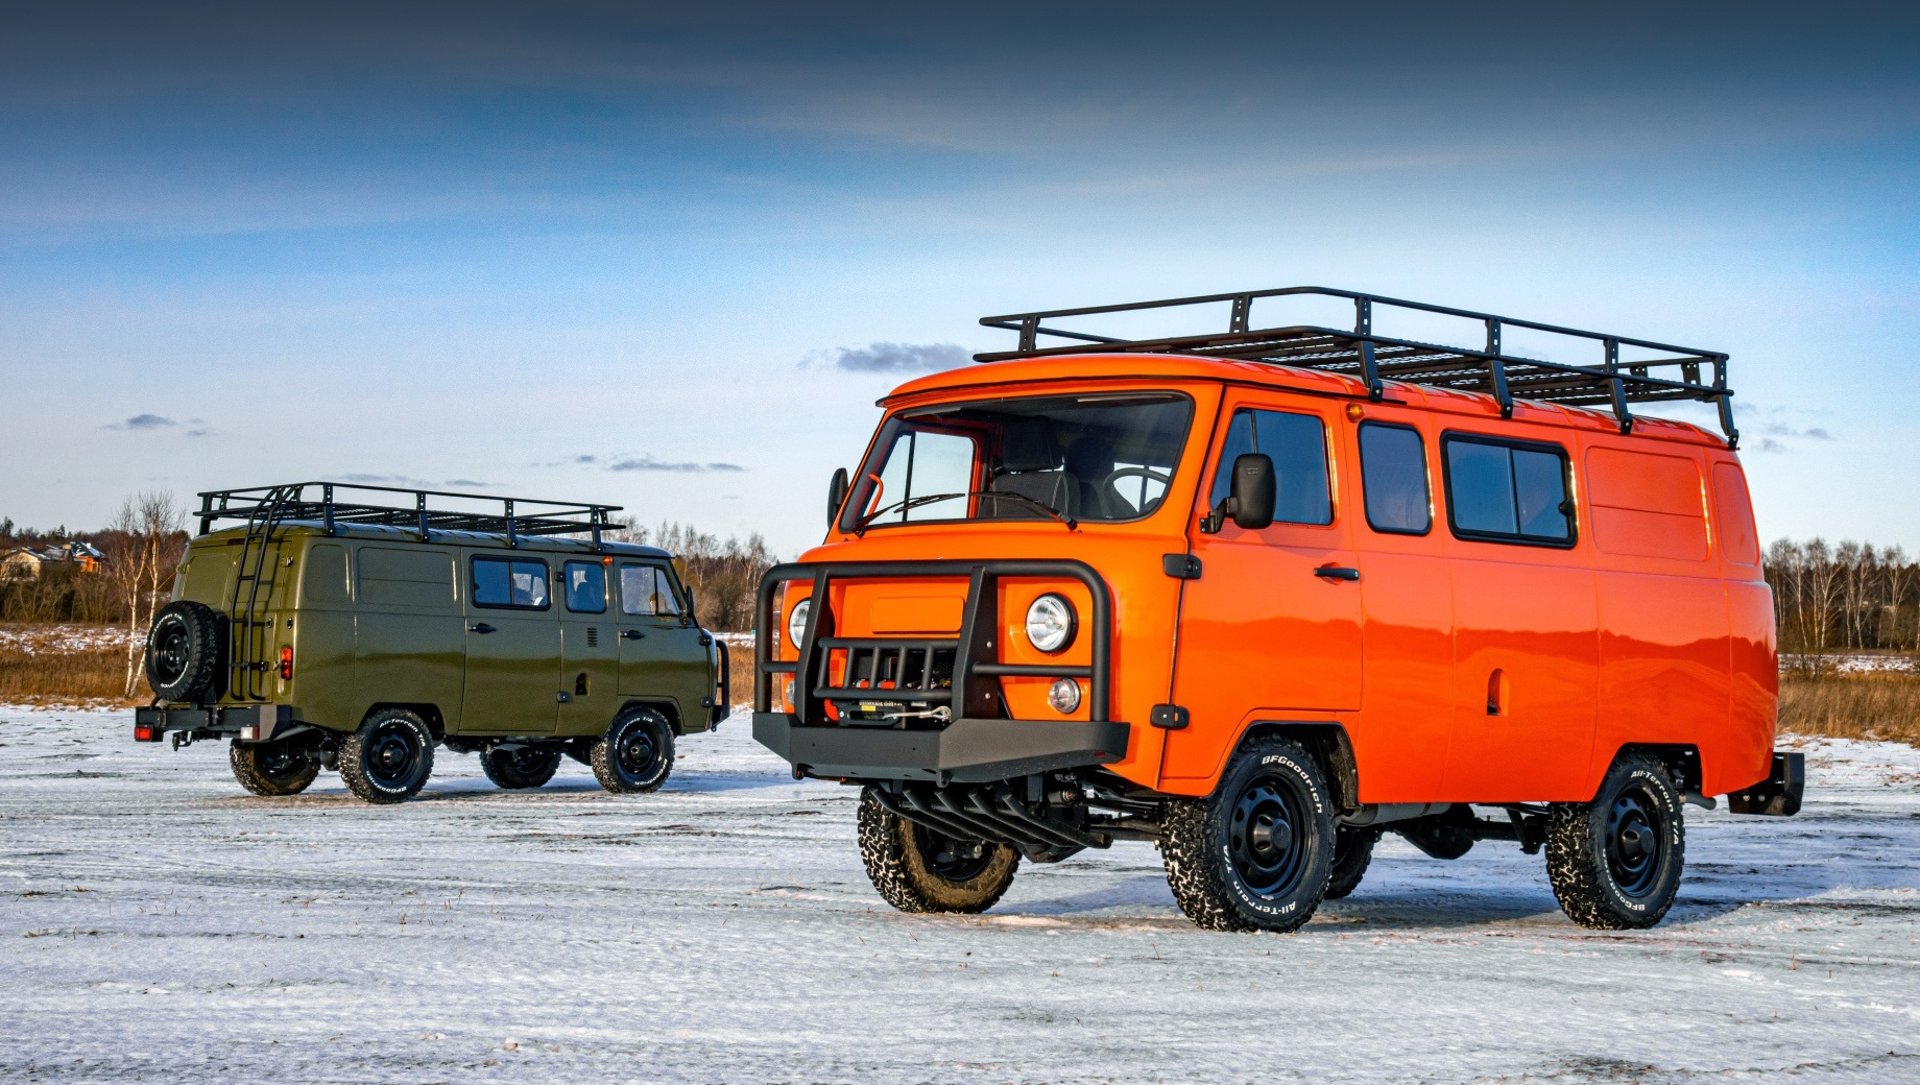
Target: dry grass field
[{"x": 1874, "y": 705}]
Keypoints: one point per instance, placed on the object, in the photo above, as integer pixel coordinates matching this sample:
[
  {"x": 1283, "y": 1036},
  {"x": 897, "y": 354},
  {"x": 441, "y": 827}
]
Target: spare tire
[{"x": 185, "y": 651}]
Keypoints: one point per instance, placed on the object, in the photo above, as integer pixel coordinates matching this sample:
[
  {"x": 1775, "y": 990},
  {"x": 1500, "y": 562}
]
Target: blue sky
[{"x": 606, "y": 253}]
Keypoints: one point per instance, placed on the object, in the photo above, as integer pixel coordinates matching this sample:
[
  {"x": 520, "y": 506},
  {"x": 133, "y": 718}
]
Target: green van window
[
  {"x": 407, "y": 578},
  {"x": 323, "y": 582},
  {"x": 644, "y": 589},
  {"x": 500, "y": 582},
  {"x": 586, "y": 587}
]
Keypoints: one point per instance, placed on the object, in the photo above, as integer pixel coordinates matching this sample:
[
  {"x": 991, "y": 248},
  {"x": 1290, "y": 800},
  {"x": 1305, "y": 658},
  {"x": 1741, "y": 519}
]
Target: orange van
[{"x": 1259, "y": 595}]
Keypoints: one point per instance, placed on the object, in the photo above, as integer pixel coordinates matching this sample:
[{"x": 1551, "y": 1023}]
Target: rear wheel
[
  {"x": 919, "y": 870},
  {"x": 184, "y": 651},
  {"x": 273, "y": 769},
  {"x": 1352, "y": 853},
  {"x": 389, "y": 758},
  {"x": 1615, "y": 862},
  {"x": 520, "y": 767},
  {"x": 1255, "y": 854},
  {"x": 636, "y": 753}
]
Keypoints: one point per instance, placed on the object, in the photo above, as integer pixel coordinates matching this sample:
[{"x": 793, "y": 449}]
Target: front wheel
[
  {"x": 636, "y": 753},
  {"x": 1255, "y": 854},
  {"x": 919, "y": 870},
  {"x": 274, "y": 769},
  {"x": 1615, "y": 862},
  {"x": 389, "y": 758}
]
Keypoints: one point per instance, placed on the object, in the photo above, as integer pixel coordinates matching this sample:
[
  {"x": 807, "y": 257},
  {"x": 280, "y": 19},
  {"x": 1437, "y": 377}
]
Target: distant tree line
[{"x": 1845, "y": 596}]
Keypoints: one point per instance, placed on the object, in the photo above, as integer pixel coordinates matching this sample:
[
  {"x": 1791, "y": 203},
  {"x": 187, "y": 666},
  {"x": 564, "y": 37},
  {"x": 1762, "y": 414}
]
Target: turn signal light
[{"x": 286, "y": 662}]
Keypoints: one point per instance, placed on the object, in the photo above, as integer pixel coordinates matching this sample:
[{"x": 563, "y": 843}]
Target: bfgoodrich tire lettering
[
  {"x": 1256, "y": 854},
  {"x": 1615, "y": 862},
  {"x": 918, "y": 870},
  {"x": 184, "y": 651},
  {"x": 636, "y": 753},
  {"x": 389, "y": 758}
]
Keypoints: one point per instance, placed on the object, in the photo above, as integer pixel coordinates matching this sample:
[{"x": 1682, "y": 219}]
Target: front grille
[{"x": 898, "y": 667}]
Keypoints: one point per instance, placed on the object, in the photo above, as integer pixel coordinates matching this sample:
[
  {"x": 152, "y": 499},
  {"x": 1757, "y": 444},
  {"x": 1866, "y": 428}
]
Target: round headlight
[
  {"x": 1064, "y": 695},
  {"x": 1050, "y": 623},
  {"x": 797, "y": 623}
]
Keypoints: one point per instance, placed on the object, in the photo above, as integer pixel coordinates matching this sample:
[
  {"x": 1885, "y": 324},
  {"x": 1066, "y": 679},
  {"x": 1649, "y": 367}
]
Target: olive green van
[{"x": 360, "y": 634}]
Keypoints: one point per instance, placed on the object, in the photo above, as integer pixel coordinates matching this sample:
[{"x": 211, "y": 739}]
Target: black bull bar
[{"x": 978, "y": 744}]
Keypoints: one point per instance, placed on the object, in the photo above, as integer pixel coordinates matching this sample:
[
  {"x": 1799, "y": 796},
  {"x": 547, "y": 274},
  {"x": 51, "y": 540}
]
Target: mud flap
[{"x": 1779, "y": 794}]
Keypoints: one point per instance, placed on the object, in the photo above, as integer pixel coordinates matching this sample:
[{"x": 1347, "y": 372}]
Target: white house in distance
[{"x": 26, "y": 563}]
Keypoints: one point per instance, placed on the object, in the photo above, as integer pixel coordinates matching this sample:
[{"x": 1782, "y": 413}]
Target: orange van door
[
  {"x": 1525, "y": 652},
  {"x": 1401, "y": 734},
  {"x": 1271, "y": 627}
]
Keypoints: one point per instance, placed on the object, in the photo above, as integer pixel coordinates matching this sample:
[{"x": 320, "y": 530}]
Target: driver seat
[{"x": 1028, "y": 467}]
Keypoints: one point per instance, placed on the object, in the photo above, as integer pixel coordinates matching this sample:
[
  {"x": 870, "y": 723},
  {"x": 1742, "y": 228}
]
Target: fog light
[
  {"x": 1064, "y": 695},
  {"x": 249, "y": 733},
  {"x": 145, "y": 732}
]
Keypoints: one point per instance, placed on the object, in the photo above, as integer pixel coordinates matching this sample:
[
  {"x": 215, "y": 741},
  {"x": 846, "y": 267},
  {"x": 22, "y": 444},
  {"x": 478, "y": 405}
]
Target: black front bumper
[
  {"x": 257, "y": 722},
  {"x": 966, "y": 751}
]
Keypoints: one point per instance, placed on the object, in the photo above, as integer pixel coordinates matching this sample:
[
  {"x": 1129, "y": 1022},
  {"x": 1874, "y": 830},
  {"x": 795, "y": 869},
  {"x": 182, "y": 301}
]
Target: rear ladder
[{"x": 250, "y": 632}]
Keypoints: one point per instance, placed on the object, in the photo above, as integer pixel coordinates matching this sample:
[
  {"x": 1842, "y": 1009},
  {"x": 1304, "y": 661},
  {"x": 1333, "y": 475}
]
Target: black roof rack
[
  {"x": 424, "y": 511},
  {"x": 1675, "y": 373}
]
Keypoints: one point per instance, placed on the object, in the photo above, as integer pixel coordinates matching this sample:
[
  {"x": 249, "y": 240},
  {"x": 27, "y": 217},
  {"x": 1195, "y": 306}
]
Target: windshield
[{"x": 1093, "y": 458}]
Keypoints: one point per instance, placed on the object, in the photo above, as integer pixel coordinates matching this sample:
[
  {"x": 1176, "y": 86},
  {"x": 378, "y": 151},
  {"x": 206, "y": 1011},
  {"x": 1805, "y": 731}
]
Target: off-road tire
[
  {"x": 901, "y": 866},
  {"x": 1602, "y": 878},
  {"x": 368, "y": 761},
  {"x": 1352, "y": 853},
  {"x": 617, "y": 757},
  {"x": 1208, "y": 843},
  {"x": 526, "y": 766},
  {"x": 274, "y": 769},
  {"x": 186, "y": 649}
]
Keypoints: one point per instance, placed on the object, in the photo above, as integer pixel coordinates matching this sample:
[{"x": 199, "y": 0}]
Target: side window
[
  {"x": 586, "y": 587},
  {"x": 1297, "y": 444},
  {"x": 324, "y": 581},
  {"x": 645, "y": 590},
  {"x": 1508, "y": 492},
  {"x": 1393, "y": 472},
  {"x": 420, "y": 577},
  {"x": 503, "y": 582}
]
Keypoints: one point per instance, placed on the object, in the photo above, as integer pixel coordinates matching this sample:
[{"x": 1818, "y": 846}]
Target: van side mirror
[
  {"x": 1250, "y": 496},
  {"x": 837, "y": 494},
  {"x": 691, "y": 617}
]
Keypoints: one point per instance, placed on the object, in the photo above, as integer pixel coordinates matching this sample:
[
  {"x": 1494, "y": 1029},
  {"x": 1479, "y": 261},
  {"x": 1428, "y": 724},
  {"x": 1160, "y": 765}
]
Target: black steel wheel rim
[
  {"x": 951, "y": 858},
  {"x": 527, "y": 760},
  {"x": 1267, "y": 836},
  {"x": 172, "y": 649},
  {"x": 638, "y": 754},
  {"x": 282, "y": 763},
  {"x": 1636, "y": 842},
  {"x": 393, "y": 754}
]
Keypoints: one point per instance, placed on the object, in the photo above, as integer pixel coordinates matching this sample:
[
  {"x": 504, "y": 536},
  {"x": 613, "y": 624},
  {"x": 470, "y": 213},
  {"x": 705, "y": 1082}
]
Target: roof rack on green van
[
  {"x": 1672, "y": 373},
  {"x": 425, "y": 511}
]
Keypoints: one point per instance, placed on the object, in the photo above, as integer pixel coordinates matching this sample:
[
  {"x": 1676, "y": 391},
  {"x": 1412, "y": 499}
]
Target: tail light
[
  {"x": 145, "y": 732},
  {"x": 286, "y": 662}
]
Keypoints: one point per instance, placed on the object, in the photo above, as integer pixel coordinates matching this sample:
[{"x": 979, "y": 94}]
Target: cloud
[
  {"x": 466, "y": 482},
  {"x": 893, "y": 357},
  {"x": 1781, "y": 429},
  {"x": 144, "y": 421},
  {"x": 202, "y": 432},
  {"x": 1768, "y": 444},
  {"x": 648, "y": 463},
  {"x": 380, "y": 480},
  {"x": 584, "y": 458}
]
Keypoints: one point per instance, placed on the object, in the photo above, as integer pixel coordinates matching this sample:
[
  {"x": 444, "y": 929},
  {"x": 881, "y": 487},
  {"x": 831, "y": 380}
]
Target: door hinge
[
  {"x": 1181, "y": 566},
  {"x": 1168, "y": 717}
]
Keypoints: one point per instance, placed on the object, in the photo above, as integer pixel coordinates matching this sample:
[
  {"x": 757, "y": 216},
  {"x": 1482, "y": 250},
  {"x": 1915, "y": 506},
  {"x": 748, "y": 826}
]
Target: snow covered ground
[{"x": 157, "y": 924}]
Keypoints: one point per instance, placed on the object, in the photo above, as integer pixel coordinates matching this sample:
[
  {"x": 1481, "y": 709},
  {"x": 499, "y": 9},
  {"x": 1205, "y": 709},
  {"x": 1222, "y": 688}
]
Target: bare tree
[{"x": 141, "y": 561}]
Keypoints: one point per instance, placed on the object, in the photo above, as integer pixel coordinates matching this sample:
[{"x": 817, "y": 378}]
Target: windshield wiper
[{"x": 928, "y": 499}]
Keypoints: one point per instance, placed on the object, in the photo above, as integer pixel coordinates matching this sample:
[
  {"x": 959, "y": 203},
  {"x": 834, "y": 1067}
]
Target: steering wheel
[{"x": 1107, "y": 484}]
